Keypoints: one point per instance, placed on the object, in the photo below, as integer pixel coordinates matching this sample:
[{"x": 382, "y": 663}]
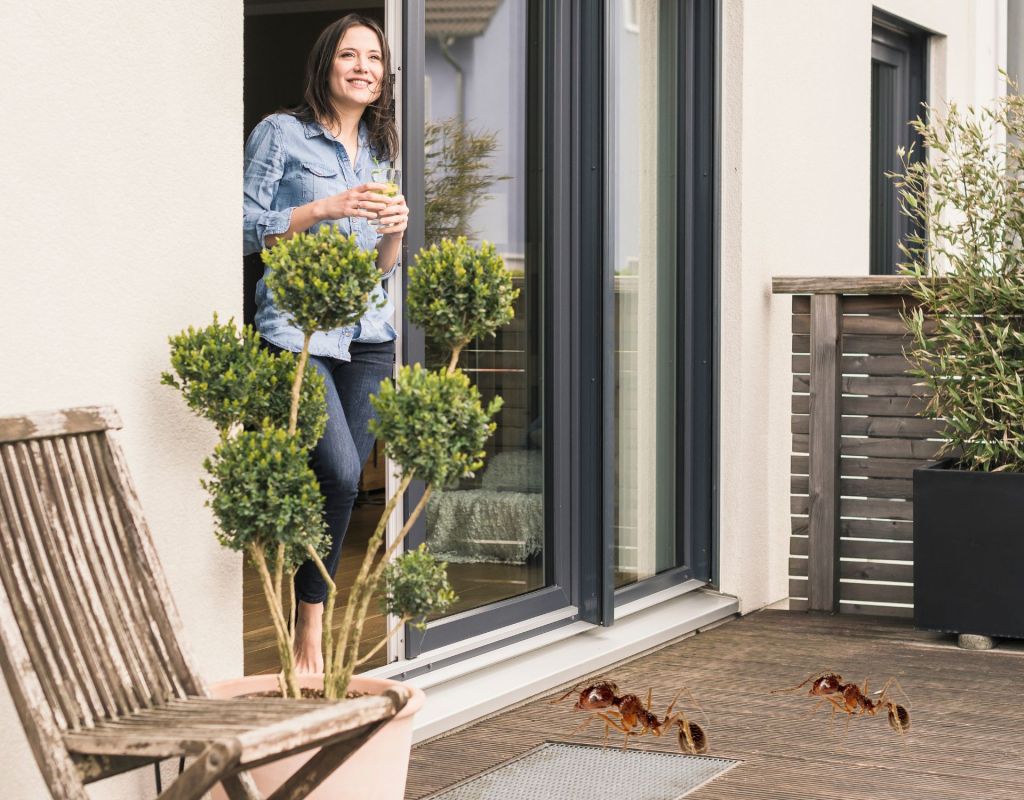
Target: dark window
[{"x": 898, "y": 87}]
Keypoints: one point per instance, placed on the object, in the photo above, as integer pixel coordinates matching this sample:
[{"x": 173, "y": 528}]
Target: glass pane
[
  {"x": 481, "y": 162},
  {"x": 641, "y": 128},
  {"x": 883, "y": 149}
]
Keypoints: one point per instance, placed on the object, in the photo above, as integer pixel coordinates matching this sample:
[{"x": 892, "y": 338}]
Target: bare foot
[{"x": 309, "y": 657}]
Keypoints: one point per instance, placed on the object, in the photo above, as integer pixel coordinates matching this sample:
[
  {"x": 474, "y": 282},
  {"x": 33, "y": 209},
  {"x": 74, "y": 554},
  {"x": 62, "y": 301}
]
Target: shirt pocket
[{"x": 318, "y": 180}]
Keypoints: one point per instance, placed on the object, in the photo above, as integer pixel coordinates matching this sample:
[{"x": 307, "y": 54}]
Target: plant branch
[
  {"x": 284, "y": 643},
  {"x": 394, "y": 629},
  {"x": 341, "y": 659},
  {"x": 402, "y": 533},
  {"x": 279, "y": 572},
  {"x": 294, "y": 607},
  {"x": 366, "y": 593},
  {"x": 300, "y": 371},
  {"x": 454, "y": 361},
  {"x": 327, "y": 639}
]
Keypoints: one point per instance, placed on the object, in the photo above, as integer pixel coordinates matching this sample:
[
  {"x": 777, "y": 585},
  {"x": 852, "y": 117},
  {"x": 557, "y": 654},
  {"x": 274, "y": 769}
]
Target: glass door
[
  {"x": 482, "y": 129},
  {"x": 578, "y": 137},
  {"x": 643, "y": 175},
  {"x": 659, "y": 123}
]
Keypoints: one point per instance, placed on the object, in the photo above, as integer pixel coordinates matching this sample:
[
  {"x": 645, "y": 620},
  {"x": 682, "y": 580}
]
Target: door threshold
[{"x": 481, "y": 685}]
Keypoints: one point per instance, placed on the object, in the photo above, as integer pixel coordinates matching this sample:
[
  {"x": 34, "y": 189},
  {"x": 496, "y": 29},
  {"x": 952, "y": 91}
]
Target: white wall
[
  {"x": 121, "y": 170},
  {"x": 796, "y": 89}
]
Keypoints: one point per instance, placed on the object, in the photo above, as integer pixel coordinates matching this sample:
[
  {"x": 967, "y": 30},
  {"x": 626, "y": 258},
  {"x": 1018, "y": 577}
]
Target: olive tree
[{"x": 967, "y": 199}]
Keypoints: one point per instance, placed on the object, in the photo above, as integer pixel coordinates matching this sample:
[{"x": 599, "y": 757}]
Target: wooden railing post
[{"x": 823, "y": 471}]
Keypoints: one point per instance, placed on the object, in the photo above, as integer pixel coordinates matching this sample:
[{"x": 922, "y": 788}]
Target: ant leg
[
  {"x": 841, "y": 740},
  {"x": 668, "y": 711},
  {"x": 666, "y": 724},
  {"x": 686, "y": 692},
  {"x": 618, "y": 725},
  {"x": 560, "y": 699},
  {"x": 608, "y": 724},
  {"x": 883, "y": 692},
  {"x": 836, "y": 704},
  {"x": 583, "y": 725},
  {"x": 812, "y": 677}
]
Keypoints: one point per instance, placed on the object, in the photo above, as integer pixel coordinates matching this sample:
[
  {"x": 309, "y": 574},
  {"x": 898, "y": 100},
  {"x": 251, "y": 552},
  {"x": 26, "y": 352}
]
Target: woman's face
[{"x": 358, "y": 69}]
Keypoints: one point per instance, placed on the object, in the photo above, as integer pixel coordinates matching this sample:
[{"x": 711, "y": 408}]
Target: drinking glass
[{"x": 392, "y": 176}]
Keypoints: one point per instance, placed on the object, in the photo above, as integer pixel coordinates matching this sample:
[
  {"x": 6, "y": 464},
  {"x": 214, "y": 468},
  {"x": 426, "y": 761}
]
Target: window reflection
[
  {"x": 641, "y": 129},
  {"x": 478, "y": 113}
]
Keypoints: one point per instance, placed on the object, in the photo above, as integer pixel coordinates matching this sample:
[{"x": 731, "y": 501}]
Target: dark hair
[{"x": 317, "y": 105}]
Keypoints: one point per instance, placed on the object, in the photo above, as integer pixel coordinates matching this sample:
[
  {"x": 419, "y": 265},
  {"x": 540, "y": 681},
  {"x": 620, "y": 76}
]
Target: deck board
[{"x": 966, "y": 741}]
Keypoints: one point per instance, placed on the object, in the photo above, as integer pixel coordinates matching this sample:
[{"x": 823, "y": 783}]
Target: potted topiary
[
  {"x": 968, "y": 350},
  {"x": 269, "y": 410}
]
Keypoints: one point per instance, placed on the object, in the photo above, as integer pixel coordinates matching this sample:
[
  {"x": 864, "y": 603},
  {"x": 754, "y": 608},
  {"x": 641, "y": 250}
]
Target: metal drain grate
[{"x": 558, "y": 771}]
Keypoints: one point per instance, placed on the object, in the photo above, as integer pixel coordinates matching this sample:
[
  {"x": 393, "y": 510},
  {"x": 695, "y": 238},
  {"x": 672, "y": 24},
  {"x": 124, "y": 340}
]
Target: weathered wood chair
[{"x": 89, "y": 639}]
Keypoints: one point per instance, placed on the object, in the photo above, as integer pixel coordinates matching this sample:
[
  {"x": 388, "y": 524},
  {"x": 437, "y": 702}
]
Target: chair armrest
[{"x": 324, "y": 724}]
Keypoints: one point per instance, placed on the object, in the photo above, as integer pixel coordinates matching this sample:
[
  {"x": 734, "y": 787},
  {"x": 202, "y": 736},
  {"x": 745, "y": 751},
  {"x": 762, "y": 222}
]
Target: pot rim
[
  {"x": 950, "y": 464},
  {"x": 417, "y": 696}
]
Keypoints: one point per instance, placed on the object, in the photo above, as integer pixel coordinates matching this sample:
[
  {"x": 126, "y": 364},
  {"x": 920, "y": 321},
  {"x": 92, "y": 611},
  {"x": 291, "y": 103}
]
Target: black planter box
[{"x": 969, "y": 551}]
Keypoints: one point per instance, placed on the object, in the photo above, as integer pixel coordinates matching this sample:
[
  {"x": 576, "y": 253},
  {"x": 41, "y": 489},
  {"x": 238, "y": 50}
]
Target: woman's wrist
[{"x": 316, "y": 208}]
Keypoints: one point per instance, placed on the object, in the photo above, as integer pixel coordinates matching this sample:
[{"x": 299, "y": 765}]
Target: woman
[{"x": 311, "y": 166}]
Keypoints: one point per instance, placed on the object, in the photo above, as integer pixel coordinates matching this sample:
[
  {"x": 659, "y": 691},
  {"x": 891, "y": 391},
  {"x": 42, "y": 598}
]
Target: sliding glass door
[
  {"x": 482, "y": 132},
  {"x": 659, "y": 248},
  {"x": 577, "y": 137}
]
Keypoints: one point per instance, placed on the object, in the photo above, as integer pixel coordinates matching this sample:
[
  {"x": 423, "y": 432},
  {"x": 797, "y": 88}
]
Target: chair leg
[
  {"x": 241, "y": 786},
  {"x": 320, "y": 766},
  {"x": 211, "y": 765}
]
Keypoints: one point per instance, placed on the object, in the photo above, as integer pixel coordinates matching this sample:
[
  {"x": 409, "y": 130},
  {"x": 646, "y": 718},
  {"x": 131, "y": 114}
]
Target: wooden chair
[{"x": 89, "y": 640}]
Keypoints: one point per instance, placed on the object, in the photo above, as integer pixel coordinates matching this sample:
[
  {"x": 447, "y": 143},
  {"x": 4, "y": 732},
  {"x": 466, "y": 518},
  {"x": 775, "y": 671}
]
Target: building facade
[{"x": 651, "y": 165}]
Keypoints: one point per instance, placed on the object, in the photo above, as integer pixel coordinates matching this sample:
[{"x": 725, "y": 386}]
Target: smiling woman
[{"x": 309, "y": 166}]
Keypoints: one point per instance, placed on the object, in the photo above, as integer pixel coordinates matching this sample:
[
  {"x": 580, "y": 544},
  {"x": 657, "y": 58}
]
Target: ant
[
  {"x": 853, "y": 700},
  {"x": 627, "y": 713}
]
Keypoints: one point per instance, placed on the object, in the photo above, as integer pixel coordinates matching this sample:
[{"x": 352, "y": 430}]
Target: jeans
[{"x": 339, "y": 456}]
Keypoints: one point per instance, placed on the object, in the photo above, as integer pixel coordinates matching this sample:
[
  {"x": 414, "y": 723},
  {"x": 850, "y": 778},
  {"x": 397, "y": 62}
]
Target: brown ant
[
  {"x": 627, "y": 713},
  {"x": 853, "y": 700}
]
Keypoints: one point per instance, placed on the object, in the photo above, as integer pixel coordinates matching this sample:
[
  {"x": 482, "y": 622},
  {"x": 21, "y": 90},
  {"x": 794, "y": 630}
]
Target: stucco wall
[
  {"x": 121, "y": 168},
  {"x": 796, "y": 89}
]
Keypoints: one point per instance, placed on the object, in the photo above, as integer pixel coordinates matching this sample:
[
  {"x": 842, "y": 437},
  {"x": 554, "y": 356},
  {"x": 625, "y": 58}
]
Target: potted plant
[
  {"x": 968, "y": 350},
  {"x": 269, "y": 410}
]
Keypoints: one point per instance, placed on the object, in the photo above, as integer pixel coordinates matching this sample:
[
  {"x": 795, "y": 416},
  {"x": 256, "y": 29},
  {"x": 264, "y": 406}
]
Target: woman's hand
[
  {"x": 362, "y": 201},
  {"x": 394, "y": 218}
]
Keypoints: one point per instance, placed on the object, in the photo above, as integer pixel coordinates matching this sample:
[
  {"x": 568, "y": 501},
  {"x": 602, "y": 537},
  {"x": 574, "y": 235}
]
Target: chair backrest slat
[
  {"x": 139, "y": 661},
  {"x": 55, "y": 635},
  {"x": 35, "y": 709},
  {"x": 18, "y": 590},
  {"x": 164, "y": 673},
  {"x": 79, "y": 573},
  {"x": 163, "y": 622},
  {"x": 68, "y": 560},
  {"x": 76, "y": 540}
]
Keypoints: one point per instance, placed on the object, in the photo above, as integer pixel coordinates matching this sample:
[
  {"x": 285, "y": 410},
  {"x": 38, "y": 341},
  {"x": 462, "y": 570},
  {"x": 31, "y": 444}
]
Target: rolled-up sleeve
[{"x": 264, "y": 166}]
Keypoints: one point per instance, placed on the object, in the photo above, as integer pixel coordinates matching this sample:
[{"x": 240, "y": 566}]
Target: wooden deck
[{"x": 966, "y": 740}]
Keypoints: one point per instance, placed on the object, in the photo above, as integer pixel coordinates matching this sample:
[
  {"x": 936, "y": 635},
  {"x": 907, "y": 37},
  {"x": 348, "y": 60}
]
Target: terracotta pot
[{"x": 376, "y": 771}]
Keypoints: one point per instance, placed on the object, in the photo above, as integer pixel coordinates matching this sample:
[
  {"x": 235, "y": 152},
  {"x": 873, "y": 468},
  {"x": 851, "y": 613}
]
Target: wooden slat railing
[{"x": 857, "y": 439}]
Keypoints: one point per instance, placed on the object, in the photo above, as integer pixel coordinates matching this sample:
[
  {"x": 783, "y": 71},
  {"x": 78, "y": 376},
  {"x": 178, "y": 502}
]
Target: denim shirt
[{"x": 289, "y": 163}]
